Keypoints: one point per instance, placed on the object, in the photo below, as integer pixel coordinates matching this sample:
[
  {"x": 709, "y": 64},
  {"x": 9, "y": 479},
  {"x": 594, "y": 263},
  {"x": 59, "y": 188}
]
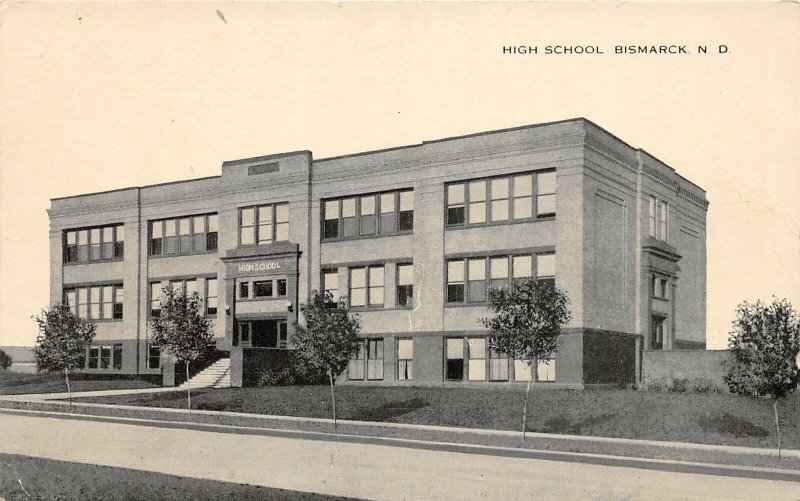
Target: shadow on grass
[
  {"x": 565, "y": 425},
  {"x": 731, "y": 425},
  {"x": 389, "y": 410}
]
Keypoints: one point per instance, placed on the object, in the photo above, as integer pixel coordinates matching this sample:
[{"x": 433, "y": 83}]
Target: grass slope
[
  {"x": 702, "y": 418},
  {"x": 27, "y": 478},
  {"x": 12, "y": 383}
]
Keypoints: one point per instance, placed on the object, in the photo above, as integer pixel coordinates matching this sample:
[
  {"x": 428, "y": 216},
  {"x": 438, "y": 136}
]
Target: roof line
[{"x": 135, "y": 188}]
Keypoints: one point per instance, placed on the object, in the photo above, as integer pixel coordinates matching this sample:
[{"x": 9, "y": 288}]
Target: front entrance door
[{"x": 263, "y": 334}]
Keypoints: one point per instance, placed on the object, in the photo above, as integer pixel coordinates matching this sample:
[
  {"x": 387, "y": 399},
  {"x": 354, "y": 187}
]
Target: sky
[{"x": 98, "y": 96}]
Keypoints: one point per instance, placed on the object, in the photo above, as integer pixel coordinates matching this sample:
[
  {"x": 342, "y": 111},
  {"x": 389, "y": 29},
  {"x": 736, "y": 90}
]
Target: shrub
[
  {"x": 678, "y": 385},
  {"x": 703, "y": 385},
  {"x": 295, "y": 370}
]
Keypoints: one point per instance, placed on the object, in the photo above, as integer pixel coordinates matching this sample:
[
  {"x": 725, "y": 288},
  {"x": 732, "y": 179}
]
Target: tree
[
  {"x": 764, "y": 344},
  {"x": 181, "y": 329},
  {"x": 527, "y": 322},
  {"x": 62, "y": 341},
  {"x": 329, "y": 338},
  {"x": 5, "y": 360}
]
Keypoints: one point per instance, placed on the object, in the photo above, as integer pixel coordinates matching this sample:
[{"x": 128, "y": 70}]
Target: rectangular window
[
  {"x": 546, "y": 267},
  {"x": 94, "y": 302},
  {"x": 477, "y": 358},
  {"x": 498, "y": 272},
  {"x": 405, "y": 359},
  {"x": 651, "y": 217},
  {"x": 211, "y": 296},
  {"x": 281, "y": 286},
  {"x": 355, "y": 368},
  {"x": 105, "y": 357},
  {"x": 211, "y": 235},
  {"x": 477, "y": 202},
  {"x": 282, "y": 222},
  {"x": 375, "y": 359},
  {"x": 190, "y": 287},
  {"x": 265, "y": 218},
  {"x": 388, "y": 206},
  {"x": 118, "y": 301},
  {"x": 247, "y": 226},
  {"x": 367, "y": 215},
  {"x": 521, "y": 268},
  {"x": 498, "y": 366},
  {"x": 454, "y": 359},
  {"x": 499, "y": 191},
  {"x": 94, "y": 357},
  {"x": 83, "y": 302},
  {"x": 455, "y": 204},
  {"x": 184, "y": 235},
  {"x": 330, "y": 283},
  {"x": 476, "y": 274},
  {"x": 455, "y": 281},
  {"x": 107, "y": 305},
  {"x": 199, "y": 239},
  {"x": 117, "y": 357},
  {"x": 358, "y": 287},
  {"x": 663, "y": 219},
  {"x": 523, "y": 196},
  {"x": 546, "y": 370},
  {"x": 522, "y": 370},
  {"x": 262, "y": 288},
  {"x": 657, "y": 334},
  {"x": 244, "y": 290},
  {"x": 170, "y": 236},
  {"x": 546, "y": 193},
  {"x": 366, "y": 286},
  {"x": 376, "y": 285},
  {"x": 153, "y": 357},
  {"x": 330, "y": 228},
  {"x": 156, "y": 238},
  {"x": 155, "y": 299},
  {"x": 69, "y": 300},
  {"x": 93, "y": 244},
  {"x": 405, "y": 285}
]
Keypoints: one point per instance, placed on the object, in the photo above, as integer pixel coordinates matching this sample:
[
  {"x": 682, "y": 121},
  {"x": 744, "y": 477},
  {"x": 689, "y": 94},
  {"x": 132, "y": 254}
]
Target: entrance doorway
[{"x": 262, "y": 334}]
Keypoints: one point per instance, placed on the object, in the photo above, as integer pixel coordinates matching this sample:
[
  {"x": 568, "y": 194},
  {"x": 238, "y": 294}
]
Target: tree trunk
[
  {"x": 188, "y": 388},
  {"x": 69, "y": 392},
  {"x": 333, "y": 399},
  {"x": 777, "y": 425},
  {"x": 525, "y": 406}
]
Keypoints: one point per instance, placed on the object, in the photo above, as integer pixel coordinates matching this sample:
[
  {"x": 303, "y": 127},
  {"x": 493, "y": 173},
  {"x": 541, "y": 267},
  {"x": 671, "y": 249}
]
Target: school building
[{"x": 414, "y": 236}]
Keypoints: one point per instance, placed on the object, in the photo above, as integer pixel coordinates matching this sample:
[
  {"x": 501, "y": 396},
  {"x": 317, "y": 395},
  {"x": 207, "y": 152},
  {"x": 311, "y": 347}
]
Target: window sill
[
  {"x": 95, "y": 261},
  {"x": 162, "y": 256},
  {"x": 105, "y": 320},
  {"x": 466, "y": 226},
  {"x": 482, "y": 304},
  {"x": 261, "y": 298},
  {"x": 366, "y": 237}
]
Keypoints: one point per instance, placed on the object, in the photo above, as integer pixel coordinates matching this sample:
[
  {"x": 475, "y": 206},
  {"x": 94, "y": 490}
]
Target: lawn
[
  {"x": 684, "y": 417},
  {"x": 27, "y": 478},
  {"x": 12, "y": 383}
]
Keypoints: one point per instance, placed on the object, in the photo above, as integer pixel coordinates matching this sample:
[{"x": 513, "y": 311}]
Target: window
[
  {"x": 153, "y": 356},
  {"x": 663, "y": 218},
  {"x": 262, "y": 288},
  {"x": 101, "y": 243},
  {"x": 366, "y": 286},
  {"x": 498, "y": 272},
  {"x": 477, "y": 358},
  {"x": 355, "y": 368},
  {"x": 94, "y": 356},
  {"x": 374, "y": 359},
  {"x": 185, "y": 235},
  {"x": 455, "y": 281},
  {"x": 405, "y": 285},
  {"x": 454, "y": 359},
  {"x": 501, "y": 199},
  {"x": 476, "y": 274},
  {"x": 211, "y": 296},
  {"x": 105, "y": 357},
  {"x": 546, "y": 370},
  {"x": 281, "y": 283},
  {"x": 660, "y": 288},
  {"x": 522, "y": 370},
  {"x": 244, "y": 290},
  {"x": 546, "y": 193},
  {"x": 657, "y": 333},
  {"x": 155, "y": 299},
  {"x": 330, "y": 283},
  {"x": 546, "y": 267},
  {"x": 521, "y": 267},
  {"x": 117, "y": 357},
  {"x": 651, "y": 217},
  {"x": 498, "y": 366},
  {"x": 264, "y": 224},
  {"x": 102, "y": 302},
  {"x": 369, "y": 215},
  {"x": 405, "y": 359}
]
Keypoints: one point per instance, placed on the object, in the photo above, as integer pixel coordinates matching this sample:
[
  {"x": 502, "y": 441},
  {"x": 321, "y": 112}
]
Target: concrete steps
[{"x": 216, "y": 375}]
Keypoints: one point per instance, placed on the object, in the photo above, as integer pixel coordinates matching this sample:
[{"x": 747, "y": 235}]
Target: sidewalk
[{"x": 647, "y": 449}]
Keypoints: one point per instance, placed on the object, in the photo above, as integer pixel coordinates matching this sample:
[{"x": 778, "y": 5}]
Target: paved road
[{"x": 359, "y": 470}]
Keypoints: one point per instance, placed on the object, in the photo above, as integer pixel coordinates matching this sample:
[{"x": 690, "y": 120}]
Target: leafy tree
[
  {"x": 5, "y": 360},
  {"x": 764, "y": 344},
  {"x": 329, "y": 338},
  {"x": 527, "y": 322},
  {"x": 62, "y": 341},
  {"x": 181, "y": 329}
]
